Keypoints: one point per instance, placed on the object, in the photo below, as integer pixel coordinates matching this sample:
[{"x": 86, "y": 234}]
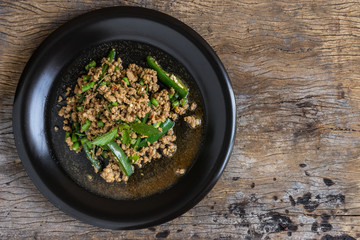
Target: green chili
[
  {"x": 90, "y": 65},
  {"x": 126, "y": 80},
  {"x": 86, "y": 78},
  {"x": 103, "y": 71},
  {"x": 175, "y": 97},
  {"x": 67, "y": 134},
  {"x": 86, "y": 141},
  {"x": 105, "y": 83},
  {"x": 86, "y": 125},
  {"x": 175, "y": 103},
  {"x": 121, "y": 158},
  {"x": 183, "y": 101},
  {"x": 142, "y": 82},
  {"x": 134, "y": 158},
  {"x": 111, "y": 55},
  {"x": 114, "y": 103},
  {"x": 165, "y": 126},
  {"x": 76, "y": 146},
  {"x": 95, "y": 162},
  {"x": 175, "y": 83},
  {"x": 76, "y": 127},
  {"x": 154, "y": 102},
  {"x": 74, "y": 137},
  {"x": 87, "y": 86},
  {"x": 133, "y": 142}
]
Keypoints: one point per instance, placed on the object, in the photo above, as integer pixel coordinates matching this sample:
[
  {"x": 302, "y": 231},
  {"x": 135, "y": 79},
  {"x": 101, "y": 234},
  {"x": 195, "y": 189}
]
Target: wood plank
[{"x": 295, "y": 168}]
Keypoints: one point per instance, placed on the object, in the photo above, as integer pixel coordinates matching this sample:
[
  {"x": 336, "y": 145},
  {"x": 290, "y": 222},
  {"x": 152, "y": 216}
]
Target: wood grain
[{"x": 295, "y": 168}]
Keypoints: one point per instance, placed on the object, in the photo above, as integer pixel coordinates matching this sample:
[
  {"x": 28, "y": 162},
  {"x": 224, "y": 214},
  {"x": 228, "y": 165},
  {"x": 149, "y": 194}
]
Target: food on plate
[{"x": 123, "y": 118}]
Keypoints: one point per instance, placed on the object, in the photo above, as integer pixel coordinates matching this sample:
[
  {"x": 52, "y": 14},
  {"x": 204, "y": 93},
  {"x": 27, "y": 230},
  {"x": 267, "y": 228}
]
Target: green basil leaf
[
  {"x": 125, "y": 137},
  {"x": 105, "y": 138},
  {"x": 144, "y": 129}
]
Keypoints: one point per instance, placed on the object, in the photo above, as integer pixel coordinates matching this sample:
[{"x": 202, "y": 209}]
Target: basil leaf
[
  {"x": 124, "y": 126},
  {"x": 144, "y": 129},
  {"x": 125, "y": 137},
  {"x": 105, "y": 138}
]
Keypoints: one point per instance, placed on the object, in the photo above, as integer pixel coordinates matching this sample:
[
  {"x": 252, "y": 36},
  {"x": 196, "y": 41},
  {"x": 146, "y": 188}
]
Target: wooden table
[{"x": 295, "y": 168}]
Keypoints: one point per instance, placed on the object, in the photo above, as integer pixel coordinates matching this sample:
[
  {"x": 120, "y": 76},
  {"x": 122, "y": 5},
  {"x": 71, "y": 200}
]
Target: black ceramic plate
[{"x": 45, "y": 77}]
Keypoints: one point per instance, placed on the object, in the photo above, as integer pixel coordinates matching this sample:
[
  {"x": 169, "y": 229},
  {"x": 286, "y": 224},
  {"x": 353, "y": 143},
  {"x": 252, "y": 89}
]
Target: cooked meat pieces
[
  {"x": 192, "y": 121},
  {"x": 193, "y": 106}
]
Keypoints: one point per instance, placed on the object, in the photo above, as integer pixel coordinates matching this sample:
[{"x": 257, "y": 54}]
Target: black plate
[{"x": 89, "y": 31}]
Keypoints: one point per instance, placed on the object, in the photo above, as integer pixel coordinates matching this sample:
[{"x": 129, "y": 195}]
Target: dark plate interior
[{"x": 33, "y": 125}]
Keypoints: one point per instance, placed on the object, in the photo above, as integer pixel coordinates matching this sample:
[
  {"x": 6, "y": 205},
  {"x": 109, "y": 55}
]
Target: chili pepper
[
  {"x": 183, "y": 101},
  {"x": 134, "y": 158},
  {"x": 111, "y": 55},
  {"x": 90, "y": 65},
  {"x": 86, "y": 141},
  {"x": 126, "y": 80},
  {"x": 86, "y": 78},
  {"x": 154, "y": 102},
  {"x": 175, "y": 83},
  {"x": 103, "y": 70},
  {"x": 67, "y": 134},
  {"x": 95, "y": 162},
  {"x": 86, "y": 125},
  {"x": 75, "y": 146},
  {"x": 121, "y": 158},
  {"x": 157, "y": 125},
  {"x": 175, "y": 104},
  {"x": 74, "y": 137},
  {"x": 87, "y": 86},
  {"x": 105, "y": 83},
  {"x": 165, "y": 126}
]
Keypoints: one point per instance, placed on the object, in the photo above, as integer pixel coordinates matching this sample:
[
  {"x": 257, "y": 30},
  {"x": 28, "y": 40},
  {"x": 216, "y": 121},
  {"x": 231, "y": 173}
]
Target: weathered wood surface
[{"x": 295, "y": 169}]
